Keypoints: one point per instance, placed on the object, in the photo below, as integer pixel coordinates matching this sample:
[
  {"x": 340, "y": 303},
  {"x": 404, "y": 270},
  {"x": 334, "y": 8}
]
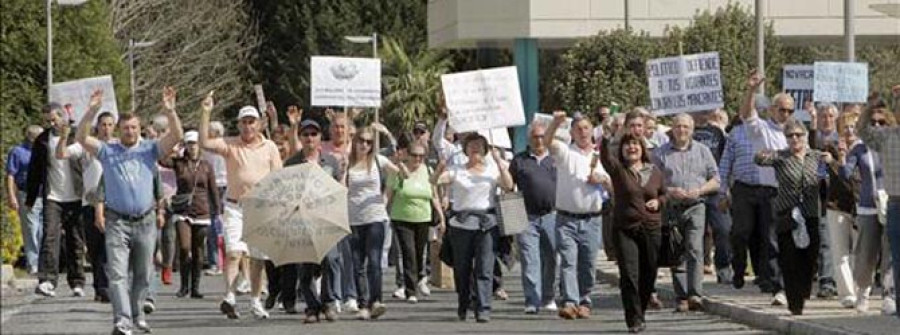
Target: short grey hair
[
  {"x": 216, "y": 129},
  {"x": 793, "y": 124},
  {"x": 683, "y": 116}
]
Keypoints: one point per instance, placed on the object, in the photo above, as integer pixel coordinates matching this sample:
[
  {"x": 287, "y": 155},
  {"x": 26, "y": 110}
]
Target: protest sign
[
  {"x": 345, "y": 81},
  {"x": 798, "y": 81},
  {"x": 483, "y": 99},
  {"x": 498, "y": 137},
  {"x": 841, "y": 82},
  {"x": 563, "y": 133},
  {"x": 689, "y": 83},
  {"x": 77, "y": 94}
]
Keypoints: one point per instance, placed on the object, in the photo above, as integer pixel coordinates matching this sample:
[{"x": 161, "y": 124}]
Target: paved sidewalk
[{"x": 753, "y": 308}]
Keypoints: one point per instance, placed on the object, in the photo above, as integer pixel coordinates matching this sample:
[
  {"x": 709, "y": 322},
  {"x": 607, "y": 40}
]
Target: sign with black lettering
[
  {"x": 797, "y": 80},
  {"x": 689, "y": 83}
]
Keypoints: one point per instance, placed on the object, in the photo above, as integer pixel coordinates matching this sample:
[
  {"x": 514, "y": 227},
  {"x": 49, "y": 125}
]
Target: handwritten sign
[
  {"x": 563, "y": 133},
  {"x": 841, "y": 82},
  {"x": 484, "y": 99},
  {"x": 77, "y": 93},
  {"x": 798, "y": 81},
  {"x": 345, "y": 81},
  {"x": 690, "y": 83}
]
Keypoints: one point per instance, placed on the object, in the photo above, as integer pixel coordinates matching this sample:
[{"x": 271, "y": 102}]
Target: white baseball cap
[
  {"x": 191, "y": 136},
  {"x": 248, "y": 111}
]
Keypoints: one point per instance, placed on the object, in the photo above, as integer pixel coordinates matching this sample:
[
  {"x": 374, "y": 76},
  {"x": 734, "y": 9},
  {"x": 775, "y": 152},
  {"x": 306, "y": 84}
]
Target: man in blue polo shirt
[
  {"x": 30, "y": 218},
  {"x": 129, "y": 167}
]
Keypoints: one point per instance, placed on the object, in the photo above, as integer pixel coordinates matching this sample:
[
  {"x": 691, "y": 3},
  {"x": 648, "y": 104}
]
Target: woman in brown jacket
[
  {"x": 193, "y": 205},
  {"x": 639, "y": 196}
]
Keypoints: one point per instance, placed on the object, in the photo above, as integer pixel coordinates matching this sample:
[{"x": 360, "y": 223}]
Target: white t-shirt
[
  {"x": 93, "y": 171},
  {"x": 573, "y": 193},
  {"x": 364, "y": 199},
  {"x": 218, "y": 164},
  {"x": 59, "y": 173},
  {"x": 469, "y": 191}
]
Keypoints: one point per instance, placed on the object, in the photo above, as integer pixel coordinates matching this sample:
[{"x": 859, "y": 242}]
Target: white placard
[
  {"x": 345, "y": 81},
  {"x": 841, "y": 82},
  {"x": 498, "y": 137},
  {"x": 563, "y": 133},
  {"x": 690, "y": 83},
  {"x": 484, "y": 99},
  {"x": 77, "y": 93},
  {"x": 798, "y": 81},
  {"x": 260, "y": 98}
]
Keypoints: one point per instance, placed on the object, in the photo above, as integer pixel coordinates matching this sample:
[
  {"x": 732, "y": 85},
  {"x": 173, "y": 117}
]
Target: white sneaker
[
  {"x": 780, "y": 299},
  {"x": 149, "y": 307},
  {"x": 888, "y": 306},
  {"x": 848, "y": 301},
  {"x": 78, "y": 292},
  {"x": 424, "y": 290},
  {"x": 412, "y": 300},
  {"x": 243, "y": 286},
  {"x": 378, "y": 309},
  {"x": 45, "y": 289},
  {"x": 400, "y": 293},
  {"x": 862, "y": 304},
  {"x": 551, "y": 307},
  {"x": 531, "y": 310},
  {"x": 256, "y": 308},
  {"x": 364, "y": 314},
  {"x": 143, "y": 326},
  {"x": 351, "y": 306}
]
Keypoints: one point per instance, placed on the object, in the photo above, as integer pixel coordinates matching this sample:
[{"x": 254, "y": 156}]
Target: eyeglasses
[
  {"x": 416, "y": 155},
  {"x": 786, "y": 110},
  {"x": 880, "y": 122},
  {"x": 794, "y": 135},
  {"x": 364, "y": 141},
  {"x": 309, "y": 134}
]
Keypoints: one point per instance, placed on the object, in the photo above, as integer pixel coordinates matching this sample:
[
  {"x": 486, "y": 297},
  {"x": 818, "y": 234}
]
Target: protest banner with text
[
  {"x": 345, "y": 81},
  {"x": 689, "y": 83},
  {"x": 798, "y": 81},
  {"x": 483, "y": 99},
  {"x": 841, "y": 82},
  {"x": 75, "y": 95}
]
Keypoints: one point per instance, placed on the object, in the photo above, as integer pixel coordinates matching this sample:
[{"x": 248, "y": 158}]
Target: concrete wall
[{"x": 464, "y": 23}]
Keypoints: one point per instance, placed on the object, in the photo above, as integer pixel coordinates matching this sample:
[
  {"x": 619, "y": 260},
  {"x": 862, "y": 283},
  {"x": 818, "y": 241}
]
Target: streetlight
[
  {"x": 131, "y": 46},
  {"x": 50, "y": 36}
]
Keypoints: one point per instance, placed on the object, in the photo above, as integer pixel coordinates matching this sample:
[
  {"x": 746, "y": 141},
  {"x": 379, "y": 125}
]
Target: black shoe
[
  {"x": 183, "y": 292},
  {"x": 637, "y": 328},
  {"x": 229, "y": 310},
  {"x": 826, "y": 291},
  {"x": 482, "y": 319},
  {"x": 291, "y": 310},
  {"x": 737, "y": 282},
  {"x": 196, "y": 294},
  {"x": 271, "y": 300}
]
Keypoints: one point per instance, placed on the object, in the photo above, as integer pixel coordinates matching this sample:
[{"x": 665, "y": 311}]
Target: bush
[{"x": 10, "y": 236}]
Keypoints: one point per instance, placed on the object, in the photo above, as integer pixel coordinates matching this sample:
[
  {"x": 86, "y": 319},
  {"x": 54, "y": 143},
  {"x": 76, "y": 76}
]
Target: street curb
[{"x": 742, "y": 314}]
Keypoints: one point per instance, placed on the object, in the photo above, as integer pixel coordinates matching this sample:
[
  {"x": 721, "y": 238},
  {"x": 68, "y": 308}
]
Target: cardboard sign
[
  {"x": 798, "y": 81},
  {"x": 498, "y": 137},
  {"x": 484, "y": 99},
  {"x": 841, "y": 82},
  {"x": 77, "y": 95},
  {"x": 345, "y": 82},
  {"x": 563, "y": 133},
  {"x": 690, "y": 83}
]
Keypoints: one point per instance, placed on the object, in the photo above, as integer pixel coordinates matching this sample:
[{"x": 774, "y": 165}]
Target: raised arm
[
  {"x": 505, "y": 181},
  {"x": 294, "y": 116},
  {"x": 216, "y": 145},
  {"x": 83, "y": 135},
  {"x": 748, "y": 107},
  {"x": 550, "y": 133},
  {"x": 272, "y": 116},
  {"x": 176, "y": 132}
]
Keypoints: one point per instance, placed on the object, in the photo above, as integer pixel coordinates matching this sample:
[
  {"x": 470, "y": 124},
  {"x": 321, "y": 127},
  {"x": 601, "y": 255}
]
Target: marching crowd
[{"x": 804, "y": 204}]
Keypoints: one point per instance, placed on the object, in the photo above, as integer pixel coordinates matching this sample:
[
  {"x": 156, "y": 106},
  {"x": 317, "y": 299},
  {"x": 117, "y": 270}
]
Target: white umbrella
[{"x": 296, "y": 215}]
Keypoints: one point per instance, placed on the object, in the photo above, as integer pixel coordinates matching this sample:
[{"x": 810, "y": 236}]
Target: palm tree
[{"x": 412, "y": 83}]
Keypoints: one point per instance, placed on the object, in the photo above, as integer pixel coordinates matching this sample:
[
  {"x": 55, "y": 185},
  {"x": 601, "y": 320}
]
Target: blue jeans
[
  {"x": 577, "y": 241},
  {"x": 826, "y": 262},
  {"x": 348, "y": 271},
  {"x": 129, "y": 249},
  {"x": 367, "y": 243},
  {"x": 330, "y": 270},
  {"x": 721, "y": 227},
  {"x": 537, "y": 251},
  {"x": 893, "y": 232},
  {"x": 32, "y": 223},
  {"x": 688, "y": 278},
  {"x": 473, "y": 258}
]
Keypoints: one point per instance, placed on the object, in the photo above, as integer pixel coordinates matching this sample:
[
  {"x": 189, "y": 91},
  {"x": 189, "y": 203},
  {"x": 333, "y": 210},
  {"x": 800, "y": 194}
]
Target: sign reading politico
[
  {"x": 841, "y": 82},
  {"x": 484, "y": 99},
  {"x": 689, "y": 83},
  {"x": 75, "y": 95},
  {"x": 798, "y": 81},
  {"x": 345, "y": 81}
]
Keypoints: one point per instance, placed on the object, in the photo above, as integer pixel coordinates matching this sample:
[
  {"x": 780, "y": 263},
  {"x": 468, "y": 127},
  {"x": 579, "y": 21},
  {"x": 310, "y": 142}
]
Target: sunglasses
[
  {"x": 364, "y": 141},
  {"x": 881, "y": 122},
  {"x": 795, "y": 135},
  {"x": 309, "y": 134},
  {"x": 786, "y": 110},
  {"x": 417, "y": 155}
]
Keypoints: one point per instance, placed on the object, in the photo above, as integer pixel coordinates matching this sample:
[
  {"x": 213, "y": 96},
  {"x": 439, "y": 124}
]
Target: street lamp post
[
  {"x": 50, "y": 37},
  {"x": 131, "y": 46},
  {"x": 761, "y": 42},
  {"x": 850, "y": 30},
  {"x": 363, "y": 40}
]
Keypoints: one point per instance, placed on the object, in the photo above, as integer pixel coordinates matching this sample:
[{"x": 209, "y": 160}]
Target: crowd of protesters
[{"x": 805, "y": 204}]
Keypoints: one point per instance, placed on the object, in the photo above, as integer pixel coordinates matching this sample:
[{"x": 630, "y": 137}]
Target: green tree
[{"x": 412, "y": 82}]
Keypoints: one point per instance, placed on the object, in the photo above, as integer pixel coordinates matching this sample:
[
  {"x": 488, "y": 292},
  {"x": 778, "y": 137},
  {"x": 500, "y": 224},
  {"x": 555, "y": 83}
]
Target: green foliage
[
  {"x": 412, "y": 83},
  {"x": 10, "y": 235}
]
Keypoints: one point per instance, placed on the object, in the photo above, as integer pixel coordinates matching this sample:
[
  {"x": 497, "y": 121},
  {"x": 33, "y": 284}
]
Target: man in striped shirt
[
  {"x": 886, "y": 141},
  {"x": 755, "y": 187}
]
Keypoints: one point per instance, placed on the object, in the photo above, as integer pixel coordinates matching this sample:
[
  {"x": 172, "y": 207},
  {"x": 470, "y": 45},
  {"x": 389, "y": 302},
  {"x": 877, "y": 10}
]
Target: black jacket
[{"x": 37, "y": 169}]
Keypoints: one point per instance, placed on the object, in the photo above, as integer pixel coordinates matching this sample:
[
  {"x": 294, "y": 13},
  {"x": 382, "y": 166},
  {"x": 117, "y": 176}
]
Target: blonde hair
[
  {"x": 782, "y": 96},
  {"x": 844, "y": 120},
  {"x": 370, "y": 156}
]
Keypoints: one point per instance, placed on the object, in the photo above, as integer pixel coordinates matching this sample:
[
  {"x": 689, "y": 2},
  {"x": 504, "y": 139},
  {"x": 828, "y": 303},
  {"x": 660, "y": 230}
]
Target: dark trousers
[
  {"x": 273, "y": 279},
  {"x": 59, "y": 216},
  {"x": 637, "y": 251},
  {"x": 412, "y": 238},
  {"x": 288, "y": 283},
  {"x": 798, "y": 265},
  {"x": 330, "y": 271},
  {"x": 752, "y": 216},
  {"x": 96, "y": 250},
  {"x": 367, "y": 243},
  {"x": 473, "y": 256},
  {"x": 191, "y": 252}
]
